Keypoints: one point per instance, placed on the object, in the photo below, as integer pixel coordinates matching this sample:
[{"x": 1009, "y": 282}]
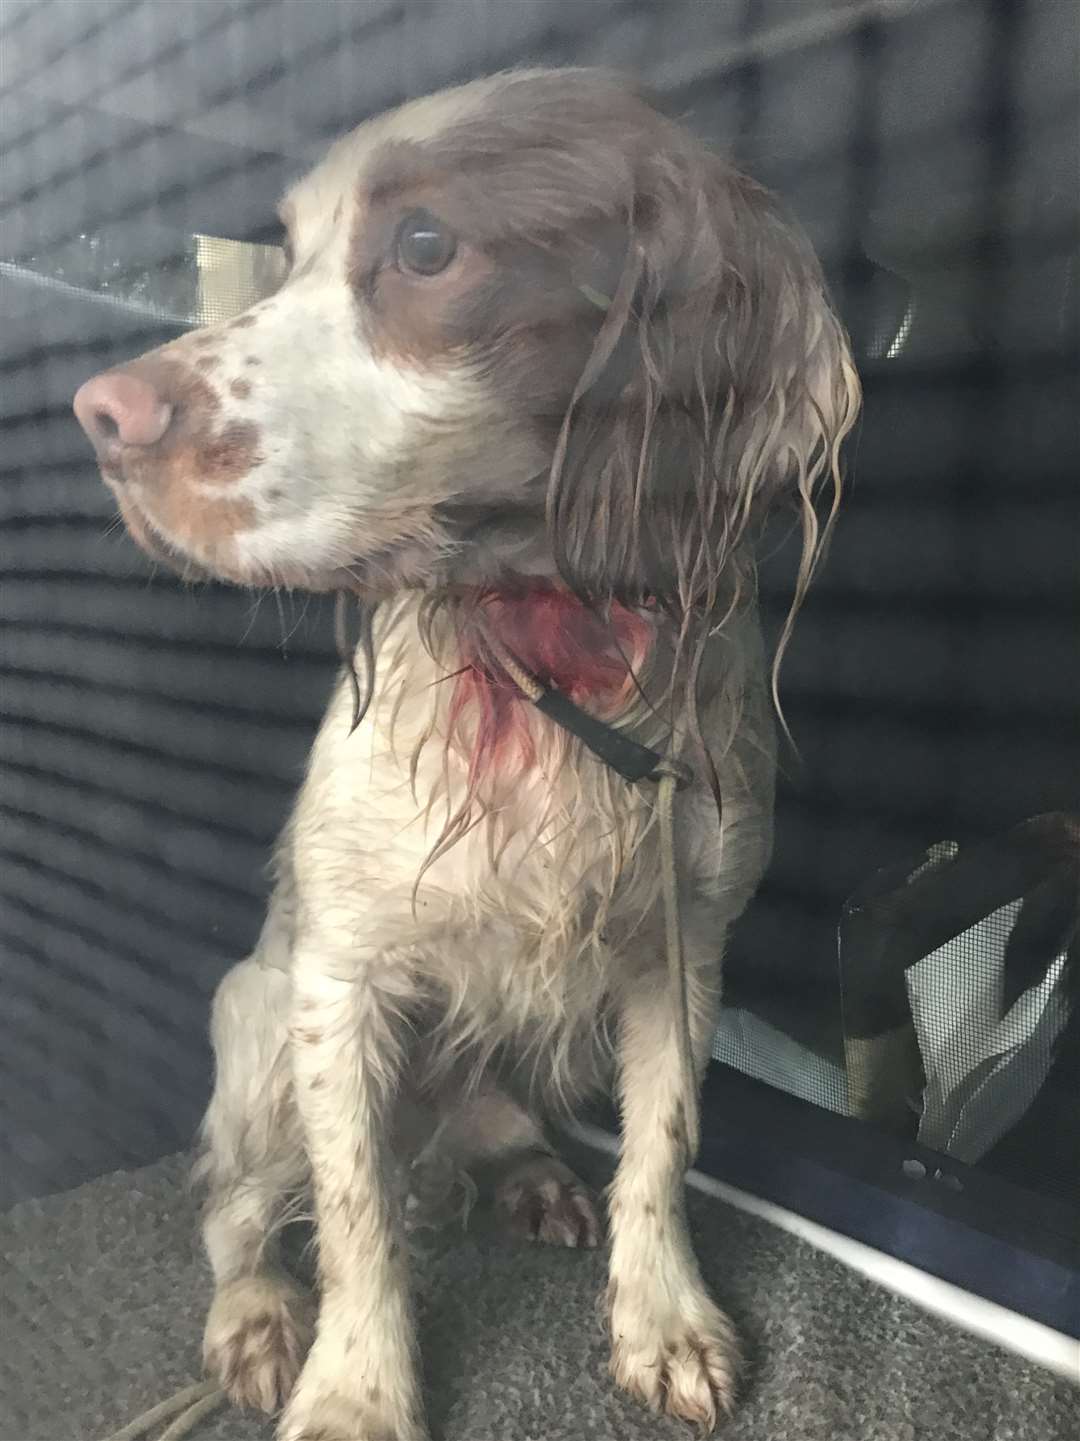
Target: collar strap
[
  {"x": 595, "y": 297},
  {"x": 629, "y": 759},
  {"x": 634, "y": 762}
]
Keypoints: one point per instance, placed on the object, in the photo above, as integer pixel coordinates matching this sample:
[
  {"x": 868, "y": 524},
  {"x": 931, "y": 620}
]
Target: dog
[{"x": 540, "y": 364}]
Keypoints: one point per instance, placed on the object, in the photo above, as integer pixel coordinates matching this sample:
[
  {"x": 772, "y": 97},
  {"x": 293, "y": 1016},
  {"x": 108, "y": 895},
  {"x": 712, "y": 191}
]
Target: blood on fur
[{"x": 592, "y": 658}]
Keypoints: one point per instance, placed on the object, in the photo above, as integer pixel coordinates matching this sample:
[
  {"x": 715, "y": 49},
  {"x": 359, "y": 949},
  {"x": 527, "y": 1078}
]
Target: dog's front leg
[
  {"x": 360, "y": 1380},
  {"x": 672, "y": 1347}
]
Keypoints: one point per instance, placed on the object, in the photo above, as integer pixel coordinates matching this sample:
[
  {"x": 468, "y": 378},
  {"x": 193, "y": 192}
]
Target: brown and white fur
[{"x": 564, "y": 434}]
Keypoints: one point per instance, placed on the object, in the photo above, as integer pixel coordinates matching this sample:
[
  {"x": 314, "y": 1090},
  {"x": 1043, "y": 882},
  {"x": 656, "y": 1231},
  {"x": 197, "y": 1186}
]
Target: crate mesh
[{"x": 153, "y": 736}]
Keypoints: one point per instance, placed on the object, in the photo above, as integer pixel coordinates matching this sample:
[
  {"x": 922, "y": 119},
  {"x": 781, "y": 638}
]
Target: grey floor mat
[{"x": 104, "y": 1293}]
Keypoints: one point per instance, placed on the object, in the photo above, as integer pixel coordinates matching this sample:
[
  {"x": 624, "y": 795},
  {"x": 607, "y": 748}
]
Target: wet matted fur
[{"x": 541, "y": 364}]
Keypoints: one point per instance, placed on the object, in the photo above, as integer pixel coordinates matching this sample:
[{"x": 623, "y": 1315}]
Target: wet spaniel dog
[{"x": 540, "y": 364}]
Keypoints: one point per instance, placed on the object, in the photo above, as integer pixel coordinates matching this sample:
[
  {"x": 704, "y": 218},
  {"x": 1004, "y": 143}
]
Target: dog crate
[{"x": 897, "y": 1066}]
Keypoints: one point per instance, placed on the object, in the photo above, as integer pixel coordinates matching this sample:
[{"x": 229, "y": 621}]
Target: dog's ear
[{"x": 720, "y": 380}]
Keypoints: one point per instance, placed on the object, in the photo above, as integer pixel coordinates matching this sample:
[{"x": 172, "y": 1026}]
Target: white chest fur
[{"x": 516, "y": 926}]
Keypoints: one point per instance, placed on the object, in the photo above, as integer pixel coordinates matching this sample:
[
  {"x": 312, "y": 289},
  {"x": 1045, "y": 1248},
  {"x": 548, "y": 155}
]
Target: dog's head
[{"x": 529, "y": 327}]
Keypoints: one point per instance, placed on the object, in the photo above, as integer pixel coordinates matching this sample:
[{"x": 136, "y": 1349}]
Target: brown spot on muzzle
[
  {"x": 230, "y": 455},
  {"x": 165, "y": 478}
]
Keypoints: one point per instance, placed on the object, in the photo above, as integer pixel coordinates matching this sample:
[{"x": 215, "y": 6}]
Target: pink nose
[{"x": 118, "y": 409}]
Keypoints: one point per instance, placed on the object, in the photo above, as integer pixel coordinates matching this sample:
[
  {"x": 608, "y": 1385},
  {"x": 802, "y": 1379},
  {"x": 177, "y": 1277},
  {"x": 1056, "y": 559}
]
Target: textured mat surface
[{"x": 104, "y": 1292}]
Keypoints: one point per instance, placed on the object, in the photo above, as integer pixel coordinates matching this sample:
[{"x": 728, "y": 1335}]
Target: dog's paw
[
  {"x": 314, "y": 1415},
  {"x": 257, "y": 1334},
  {"x": 352, "y": 1391},
  {"x": 684, "y": 1364},
  {"x": 542, "y": 1200},
  {"x": 440, "y": 1194}
]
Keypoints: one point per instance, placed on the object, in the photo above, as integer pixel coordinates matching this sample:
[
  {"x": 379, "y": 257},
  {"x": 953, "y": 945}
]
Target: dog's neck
[
  {"x": 559, "y": 640},
  {"x": 596, "y": 660}
]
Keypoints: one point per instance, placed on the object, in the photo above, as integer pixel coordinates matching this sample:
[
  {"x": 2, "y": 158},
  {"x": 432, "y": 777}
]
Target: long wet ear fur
[{"x": 719, "y": 384}]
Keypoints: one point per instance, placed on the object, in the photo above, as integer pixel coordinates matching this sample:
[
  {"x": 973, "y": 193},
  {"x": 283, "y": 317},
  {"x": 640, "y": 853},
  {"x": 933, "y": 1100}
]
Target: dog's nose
[{"x": 118, "y": 409}]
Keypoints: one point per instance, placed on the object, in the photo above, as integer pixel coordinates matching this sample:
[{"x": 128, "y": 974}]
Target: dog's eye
[{"x": 424, "y": 244}]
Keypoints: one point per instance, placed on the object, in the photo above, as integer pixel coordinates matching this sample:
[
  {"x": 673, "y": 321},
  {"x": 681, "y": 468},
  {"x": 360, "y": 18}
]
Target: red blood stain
[{"x": 591, "y": 658}]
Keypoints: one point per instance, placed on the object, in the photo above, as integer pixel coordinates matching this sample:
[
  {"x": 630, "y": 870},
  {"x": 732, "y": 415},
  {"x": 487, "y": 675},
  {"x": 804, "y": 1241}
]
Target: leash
[
  {"x": 635, "y": 763},
  {"x": 189, "y": 1406}
]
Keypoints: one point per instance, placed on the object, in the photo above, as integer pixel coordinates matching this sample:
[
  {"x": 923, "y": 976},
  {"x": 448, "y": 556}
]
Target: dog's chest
[{"x": 525, "y": 888}]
